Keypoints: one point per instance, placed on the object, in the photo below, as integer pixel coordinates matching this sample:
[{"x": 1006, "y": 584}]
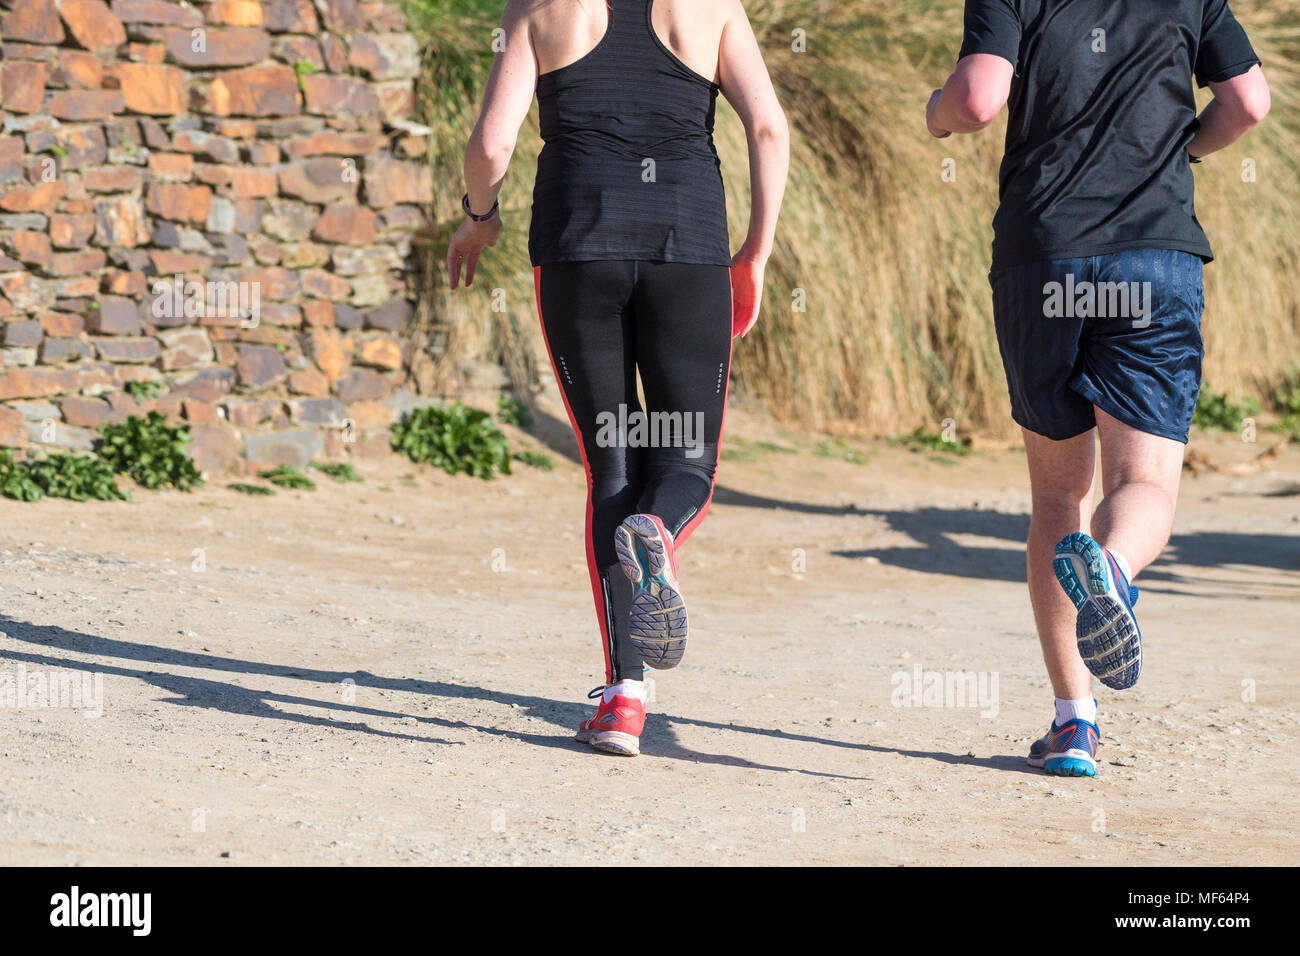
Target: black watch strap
[{"x": 464, "y": 204}]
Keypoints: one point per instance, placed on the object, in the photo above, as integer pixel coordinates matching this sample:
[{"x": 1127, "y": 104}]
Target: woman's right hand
[
  {"x": 468, "y": 244},
  {"x": 746, "y": 291}
]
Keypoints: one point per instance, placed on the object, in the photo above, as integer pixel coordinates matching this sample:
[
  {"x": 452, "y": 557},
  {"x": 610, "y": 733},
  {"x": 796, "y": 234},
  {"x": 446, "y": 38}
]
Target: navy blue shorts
[{"x": 1121, "y": 332}]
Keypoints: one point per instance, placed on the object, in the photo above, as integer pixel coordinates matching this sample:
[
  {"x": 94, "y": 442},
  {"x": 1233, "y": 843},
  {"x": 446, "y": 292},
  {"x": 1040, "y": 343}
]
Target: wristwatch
[{"x": 464, "y": 204}]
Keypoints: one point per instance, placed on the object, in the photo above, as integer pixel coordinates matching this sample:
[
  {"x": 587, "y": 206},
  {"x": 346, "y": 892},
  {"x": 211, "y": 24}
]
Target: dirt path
[{"x": 350, "y": 676}]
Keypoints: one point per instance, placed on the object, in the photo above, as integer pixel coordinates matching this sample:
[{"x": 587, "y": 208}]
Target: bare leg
[
  {"x": 1140, "y": 475},
  {"x": 1061, "y": 483}
]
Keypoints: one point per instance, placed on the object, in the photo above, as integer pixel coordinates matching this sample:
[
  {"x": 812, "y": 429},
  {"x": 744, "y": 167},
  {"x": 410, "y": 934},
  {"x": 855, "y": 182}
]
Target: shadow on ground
[
  {"x": 935, "y": 551},
  {"x": 659, "y": 739}
]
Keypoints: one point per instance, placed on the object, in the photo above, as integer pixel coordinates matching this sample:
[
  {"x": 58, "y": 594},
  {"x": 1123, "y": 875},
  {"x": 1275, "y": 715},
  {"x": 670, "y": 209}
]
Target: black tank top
[{"x": 628, "y": 169}]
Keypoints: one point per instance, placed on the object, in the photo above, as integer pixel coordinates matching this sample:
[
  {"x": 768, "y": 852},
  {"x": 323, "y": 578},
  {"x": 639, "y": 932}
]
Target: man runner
[{"x": 1097, "y": 296}]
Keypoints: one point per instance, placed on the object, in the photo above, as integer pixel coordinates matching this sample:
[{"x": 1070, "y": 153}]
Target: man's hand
[
  {"x": 938, "y": 132},
  {"x": 746, "y": 291},
  {"x": 466, "y": 246}
]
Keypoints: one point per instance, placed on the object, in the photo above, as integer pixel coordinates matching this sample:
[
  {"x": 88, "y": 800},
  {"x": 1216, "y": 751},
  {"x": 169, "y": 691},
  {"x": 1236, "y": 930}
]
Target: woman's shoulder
[{"x": 715, "y": 12}]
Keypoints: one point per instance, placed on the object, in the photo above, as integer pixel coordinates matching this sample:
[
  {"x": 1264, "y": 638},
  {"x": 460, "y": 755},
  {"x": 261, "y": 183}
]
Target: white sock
[
  {"x": 1123, "y": 564},
  {"x": 628, "y": 688},
  {"x": 1083, "y": 709}
]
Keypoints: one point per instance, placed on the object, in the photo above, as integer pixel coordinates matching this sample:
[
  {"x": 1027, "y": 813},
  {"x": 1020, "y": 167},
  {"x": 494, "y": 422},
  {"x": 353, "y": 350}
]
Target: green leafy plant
[
  {"x": 739, "y": 449},
  {"x": 534, "y": 459},
  {"x": 1217, "y": 412},
  {"x": 454, "y": 438},
  {"x": 303, "y": 69},
  {"x": 1286, "y": 396},
  {"x": 732, "y": 452},
  {"x": 143, "y": 390},
  {"x": 77, "y": 477},
  {"x": 839, "y": 448},
  {"x": 925, "y": 440},
  {"x": 16, "y": 481},
  {"x": 340, "y": 471},
  {"x": 511, "y": 411},
  {"x": 282, "y": 476},
  {"x": 151, "y": 452},
  {"x": 254, "y": 490}
]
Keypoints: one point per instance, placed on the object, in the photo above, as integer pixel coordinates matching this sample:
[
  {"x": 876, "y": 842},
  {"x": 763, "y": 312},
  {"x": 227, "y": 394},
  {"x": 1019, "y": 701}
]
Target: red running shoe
[{"x": 616, "y": 728}]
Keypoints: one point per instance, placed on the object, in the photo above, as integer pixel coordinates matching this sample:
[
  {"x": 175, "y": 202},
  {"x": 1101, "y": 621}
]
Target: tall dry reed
[{"x": 886, "y": 255}]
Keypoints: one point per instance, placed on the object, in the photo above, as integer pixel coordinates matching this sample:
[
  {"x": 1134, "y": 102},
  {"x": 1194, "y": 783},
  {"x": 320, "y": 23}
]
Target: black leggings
[{"x": 604, "y": 321}]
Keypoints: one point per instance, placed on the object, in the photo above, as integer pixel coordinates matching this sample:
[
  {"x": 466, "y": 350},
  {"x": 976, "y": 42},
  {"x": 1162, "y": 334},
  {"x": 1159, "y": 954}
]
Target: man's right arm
[{"x": 986, "y": 64}]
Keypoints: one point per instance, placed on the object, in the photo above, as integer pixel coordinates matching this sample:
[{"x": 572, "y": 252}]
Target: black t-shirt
[{"x": 1101, "y": 110}]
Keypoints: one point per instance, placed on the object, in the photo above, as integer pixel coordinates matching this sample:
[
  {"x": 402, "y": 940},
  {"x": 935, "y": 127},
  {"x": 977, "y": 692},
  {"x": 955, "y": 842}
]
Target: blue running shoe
[
  {"x": 657, "y": 623},
  {"x": 1109, "y": 639},
  {"x": 1069, "y": 750}
]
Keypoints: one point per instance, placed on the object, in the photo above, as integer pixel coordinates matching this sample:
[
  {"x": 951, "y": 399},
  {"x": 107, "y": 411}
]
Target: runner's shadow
[
  {"x": 199, "y": 692},
  {"x": 557, "y": 435},
  {"x": 658, "y": 740},
  {"x": 1006, "y": 763},
  {"x": 234, "y": 699},
  {"x": 195, "y": 691},
  {"x": 1212, "y": 549},
  {"x": 937, "y": 552},
  {"x": 743, "y": 499}
]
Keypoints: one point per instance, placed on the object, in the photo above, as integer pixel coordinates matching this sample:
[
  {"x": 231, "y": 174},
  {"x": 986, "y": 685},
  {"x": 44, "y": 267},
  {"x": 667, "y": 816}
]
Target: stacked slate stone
[{"x": 217, "y": 196}]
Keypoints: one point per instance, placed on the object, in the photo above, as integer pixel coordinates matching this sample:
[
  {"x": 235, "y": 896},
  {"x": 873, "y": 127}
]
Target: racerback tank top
[{"x": 628, "y": 169}]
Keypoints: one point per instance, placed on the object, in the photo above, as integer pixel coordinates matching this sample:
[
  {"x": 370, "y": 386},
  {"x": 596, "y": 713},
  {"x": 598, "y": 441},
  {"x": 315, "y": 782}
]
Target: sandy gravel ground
[{"x": 391, "y": 672}]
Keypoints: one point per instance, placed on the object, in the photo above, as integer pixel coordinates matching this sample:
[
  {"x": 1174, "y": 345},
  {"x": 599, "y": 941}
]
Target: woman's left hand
[{"x": 468, "y": 244}]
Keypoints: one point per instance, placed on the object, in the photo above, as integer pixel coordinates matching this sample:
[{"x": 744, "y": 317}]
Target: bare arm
[
  {"x": 506, "y": 101},
  {"x": 1239, "y": 105},
  {"x": 973, "y": 96},
  {"x": 748, "y": 88}
]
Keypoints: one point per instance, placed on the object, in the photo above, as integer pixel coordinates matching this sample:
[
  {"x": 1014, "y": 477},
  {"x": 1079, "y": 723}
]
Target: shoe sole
[
  {"x": 1073, "y": 763},
  {"x": 611, "y": 742},
  {"x": 657, "y": 624},
  {"x": 1110, "y": 642}
]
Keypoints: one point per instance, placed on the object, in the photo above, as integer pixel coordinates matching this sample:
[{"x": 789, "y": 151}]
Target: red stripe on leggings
[{"x": 597, "y": 592}]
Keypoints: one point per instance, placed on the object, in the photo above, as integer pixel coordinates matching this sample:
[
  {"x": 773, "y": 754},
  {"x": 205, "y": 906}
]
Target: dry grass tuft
[{"x": 889, "y": 258}]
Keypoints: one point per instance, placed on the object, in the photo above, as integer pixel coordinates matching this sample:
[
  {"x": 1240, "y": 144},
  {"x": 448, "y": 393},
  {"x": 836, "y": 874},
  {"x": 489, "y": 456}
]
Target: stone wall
[{"x": 219, "y": 197}]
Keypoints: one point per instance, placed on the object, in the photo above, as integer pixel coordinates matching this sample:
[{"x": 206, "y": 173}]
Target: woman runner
[{"x": 633, "y": 273}]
